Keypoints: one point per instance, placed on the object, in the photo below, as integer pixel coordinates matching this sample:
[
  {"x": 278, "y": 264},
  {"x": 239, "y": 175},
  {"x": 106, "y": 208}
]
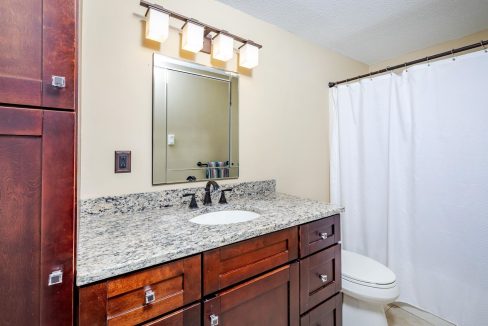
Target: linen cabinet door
[
  {"x": 21, "y": 52},
  {"x": 36, "y": 217},
  {"x": 267, "y": 300},
  {"x": 38, "y": 41}
]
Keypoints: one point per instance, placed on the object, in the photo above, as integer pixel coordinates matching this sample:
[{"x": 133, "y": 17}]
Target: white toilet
[{"x": 368, "y": 286}]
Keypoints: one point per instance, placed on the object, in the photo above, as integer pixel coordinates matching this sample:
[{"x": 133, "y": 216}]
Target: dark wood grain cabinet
[
  {"x": 36, "y": 216},
  {"x": 260, "y": 282},
  {"x": 270, "y": 299},
  {"x": 38, "y": 41}
]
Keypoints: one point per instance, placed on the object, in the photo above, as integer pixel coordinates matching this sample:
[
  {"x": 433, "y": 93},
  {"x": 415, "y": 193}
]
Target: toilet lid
[{"x": 365, "y": 270}]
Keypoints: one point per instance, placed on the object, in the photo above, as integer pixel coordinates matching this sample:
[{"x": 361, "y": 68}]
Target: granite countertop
[{"x": 115, "y": 244}]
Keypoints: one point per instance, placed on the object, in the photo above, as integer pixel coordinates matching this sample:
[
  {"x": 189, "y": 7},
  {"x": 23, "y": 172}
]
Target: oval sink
[{"x": 224, "y": 217}]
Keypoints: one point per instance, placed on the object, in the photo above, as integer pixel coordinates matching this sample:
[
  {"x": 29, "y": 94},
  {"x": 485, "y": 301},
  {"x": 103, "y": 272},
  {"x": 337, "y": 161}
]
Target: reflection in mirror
[{"x": 195, "y": 122}]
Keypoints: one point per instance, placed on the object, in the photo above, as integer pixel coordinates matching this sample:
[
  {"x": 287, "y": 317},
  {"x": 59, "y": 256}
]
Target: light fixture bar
[{"x": 208, "y": 28}]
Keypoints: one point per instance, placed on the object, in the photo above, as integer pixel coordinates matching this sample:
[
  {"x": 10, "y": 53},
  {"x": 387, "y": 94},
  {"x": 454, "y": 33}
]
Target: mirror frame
[{"x": 161, "y": 64}]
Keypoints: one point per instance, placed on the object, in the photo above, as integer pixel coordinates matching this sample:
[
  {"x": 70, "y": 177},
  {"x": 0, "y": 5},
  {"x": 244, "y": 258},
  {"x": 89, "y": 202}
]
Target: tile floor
[{"x": 405, "y": 315}]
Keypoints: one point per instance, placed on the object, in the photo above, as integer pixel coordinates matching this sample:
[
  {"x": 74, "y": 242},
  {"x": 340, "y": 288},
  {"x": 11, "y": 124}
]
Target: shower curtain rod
[{"x": 414, "y": 62}]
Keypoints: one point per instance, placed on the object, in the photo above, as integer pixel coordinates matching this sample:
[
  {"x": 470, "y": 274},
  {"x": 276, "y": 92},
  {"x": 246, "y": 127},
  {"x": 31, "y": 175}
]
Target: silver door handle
[{"x": 323, "y": 277}]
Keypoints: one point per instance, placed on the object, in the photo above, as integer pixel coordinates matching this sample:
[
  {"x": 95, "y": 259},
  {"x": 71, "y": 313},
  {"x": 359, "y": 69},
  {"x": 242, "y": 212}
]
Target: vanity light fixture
[
  {"x": 192, "y": 37},
  {"x": 196, "y": 37},
  {"x": 248, "y": 55},
  {"x": 157, "y": 25},
  {"x": 223, "y": 47}
]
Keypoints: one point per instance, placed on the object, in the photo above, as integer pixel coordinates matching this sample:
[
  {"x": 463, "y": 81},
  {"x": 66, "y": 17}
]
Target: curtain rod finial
[{"x": 331, "y": 84}]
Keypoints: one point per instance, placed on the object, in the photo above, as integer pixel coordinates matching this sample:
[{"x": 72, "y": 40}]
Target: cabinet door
[
  {"x": 38, "y": 41},
  {"x": 268, "y": 300},
  {"x": 328, "y": 313},
  {"x": 36, "y": 216}
]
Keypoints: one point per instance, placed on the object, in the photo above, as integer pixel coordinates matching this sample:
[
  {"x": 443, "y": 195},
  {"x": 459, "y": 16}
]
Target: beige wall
[
  {"x": 283, "y": 105},
  {"x": 446, "y": 46}
]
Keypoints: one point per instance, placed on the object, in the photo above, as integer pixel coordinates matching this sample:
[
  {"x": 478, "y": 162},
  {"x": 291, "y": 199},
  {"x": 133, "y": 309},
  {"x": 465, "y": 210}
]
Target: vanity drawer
[
  {"x": 320, "y": 277},
  {"x": 319, "y": 235},
  {"x": 328, "y": 313},
  {"x": 141, "y": 296},
  {"x": 231, "y": 264},
  {"x": 185, "y": 317}
]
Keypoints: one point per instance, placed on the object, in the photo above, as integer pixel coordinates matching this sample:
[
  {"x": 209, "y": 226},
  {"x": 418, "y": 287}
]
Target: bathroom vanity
[{"x": 282, "y": 268}]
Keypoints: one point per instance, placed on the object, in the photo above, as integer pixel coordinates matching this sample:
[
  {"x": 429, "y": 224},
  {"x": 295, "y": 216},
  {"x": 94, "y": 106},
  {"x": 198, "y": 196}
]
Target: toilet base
[{"x": 356, "y": 312}]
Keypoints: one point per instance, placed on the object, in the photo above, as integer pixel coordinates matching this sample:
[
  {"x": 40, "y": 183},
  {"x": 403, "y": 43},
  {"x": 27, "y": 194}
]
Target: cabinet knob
[
  {"x": 150, "y": 296},
  {"x": 55, "y": 277},
  {"x": 214, "y": 320},
  {"x": 323, "y": 277},
  {"x": 58, "y": 81},
  {"x": 323, "y": 235}
]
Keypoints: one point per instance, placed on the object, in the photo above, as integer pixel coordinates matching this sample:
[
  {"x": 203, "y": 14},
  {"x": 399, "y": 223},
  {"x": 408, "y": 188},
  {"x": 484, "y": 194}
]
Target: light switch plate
[{"x": 171, "y": 139}]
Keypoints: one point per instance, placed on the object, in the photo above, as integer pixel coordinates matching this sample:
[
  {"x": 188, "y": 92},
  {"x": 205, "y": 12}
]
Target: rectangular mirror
[{"x": 195, "y": 122}]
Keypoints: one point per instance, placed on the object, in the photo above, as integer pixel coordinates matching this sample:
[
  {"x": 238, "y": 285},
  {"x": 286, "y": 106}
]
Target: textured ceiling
[{"x": 372, "y": 31}]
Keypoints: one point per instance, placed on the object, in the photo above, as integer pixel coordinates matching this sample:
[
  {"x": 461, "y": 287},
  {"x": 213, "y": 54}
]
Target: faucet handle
[
  {"x": 193, "y": 202},
  {"x": 223, "y": 200}
]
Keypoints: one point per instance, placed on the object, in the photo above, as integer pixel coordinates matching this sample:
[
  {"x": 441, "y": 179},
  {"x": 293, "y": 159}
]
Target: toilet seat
[
  {"x": 366, "y": 279},
  {"x": 366, "y": 271}
]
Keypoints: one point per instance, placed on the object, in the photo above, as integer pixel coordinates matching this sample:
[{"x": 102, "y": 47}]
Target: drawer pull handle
[
  {"x": 150, "y": 296},
  {"x": 214, "y": 320},
  {"x": 323, "y": 235},
  {"x": 323, "y": 277}
]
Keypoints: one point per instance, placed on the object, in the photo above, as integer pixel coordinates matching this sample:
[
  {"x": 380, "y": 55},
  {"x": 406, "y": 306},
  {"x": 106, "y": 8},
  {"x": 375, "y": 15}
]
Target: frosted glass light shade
[
  {"x": 192, "y": 37},
  {"x": 157, "y": 26},
  {"x": 223, "y": 47},
  {"x": 249, "y": 56}
]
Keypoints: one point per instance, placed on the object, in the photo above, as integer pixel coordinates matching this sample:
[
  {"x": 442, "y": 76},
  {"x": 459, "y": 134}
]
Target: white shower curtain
[{"x": 409, "y": 161}]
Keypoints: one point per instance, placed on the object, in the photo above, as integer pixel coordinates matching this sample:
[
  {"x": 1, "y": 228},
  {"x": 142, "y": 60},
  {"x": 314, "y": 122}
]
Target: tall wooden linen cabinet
[{"x": 38, "y": 96}]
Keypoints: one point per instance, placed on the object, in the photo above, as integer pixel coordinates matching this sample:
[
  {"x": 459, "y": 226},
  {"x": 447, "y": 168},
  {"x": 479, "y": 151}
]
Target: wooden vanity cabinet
[
  {"x": 268, "y": 300},
  {"x": 260, "y": 282}
]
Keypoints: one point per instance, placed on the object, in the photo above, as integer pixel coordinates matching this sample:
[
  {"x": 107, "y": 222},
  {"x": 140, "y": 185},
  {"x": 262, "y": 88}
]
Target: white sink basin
[{"x": 224, "y": 217}]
